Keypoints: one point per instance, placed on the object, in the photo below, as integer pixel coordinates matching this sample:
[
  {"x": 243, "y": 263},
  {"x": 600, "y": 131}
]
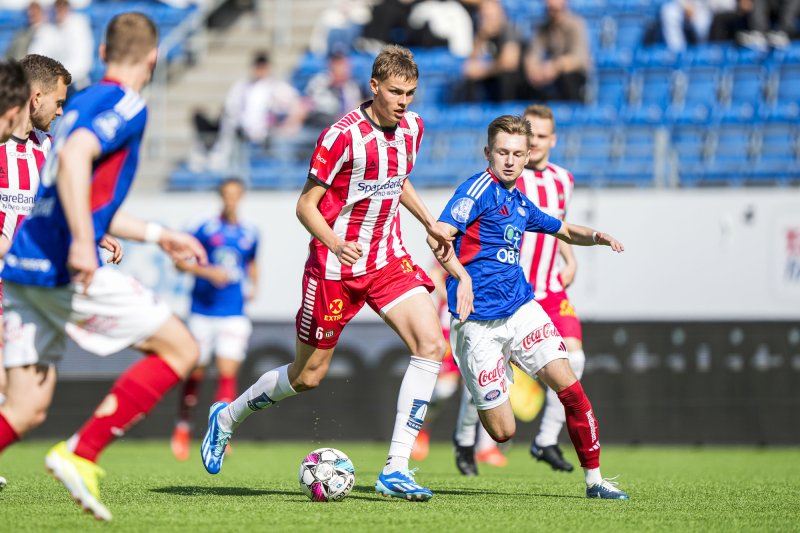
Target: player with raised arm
[
  {"x": 220, "y": 289},
  {"x": 14, "y": 93},
  {"x": 358, "y": 178},
  {"x": 550, "y": 188},
  {"x": 488, "y": 216},
  {"x": 55, "y": 286}
]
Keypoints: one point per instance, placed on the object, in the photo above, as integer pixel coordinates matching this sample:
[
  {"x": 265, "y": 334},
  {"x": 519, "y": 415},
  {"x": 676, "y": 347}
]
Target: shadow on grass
[
  {"x": 471, "y": 491},
  {"x": 219, "y": 491}
]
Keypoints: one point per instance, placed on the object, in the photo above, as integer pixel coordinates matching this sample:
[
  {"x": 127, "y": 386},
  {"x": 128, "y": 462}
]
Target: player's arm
[
  {"x": 348, "y": 252},
  {"x": 567, "y": 273},
  {"x": 583, "y": 236},
  {"x": 178, "y": 245},
  {"x": 215, "y": 275},
  {"x": 464, "y": 295},
  {"x": 252, "y": 275},
  {"x": 5, "y": 244},
  {"x": 75, "y": 160},
  {"x": 444, "y": 240}
]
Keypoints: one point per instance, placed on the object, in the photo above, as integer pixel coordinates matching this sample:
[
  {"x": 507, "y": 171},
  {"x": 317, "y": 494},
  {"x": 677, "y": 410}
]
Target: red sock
[
  {"x": 133, "y": 395},
  {"x": 188, "y": 399},
  {"x": 226, "y": 389},
  {"x": 581, "y": 425},
  {"x": 7, "y": 434}
]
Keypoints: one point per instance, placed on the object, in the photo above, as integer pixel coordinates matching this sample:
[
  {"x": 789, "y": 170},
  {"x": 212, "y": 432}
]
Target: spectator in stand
[
  {"x": 492, "y": 70},
  {"x": 727, "y": 23},
  {"x": 441, "y": 22},
  {"x": 21, "y": 43},
  {"x": 389, "y": 24},
  {"x": 339, "y": 26},
  {"x": 332, "y": 94},
  {"x": 762, "y": 32},
  {"x": 68, "y": 40},
  {"x": 558, "y": 60},
  {"x": 261, "y": 111},
  {"x": 689, "y": 21}
]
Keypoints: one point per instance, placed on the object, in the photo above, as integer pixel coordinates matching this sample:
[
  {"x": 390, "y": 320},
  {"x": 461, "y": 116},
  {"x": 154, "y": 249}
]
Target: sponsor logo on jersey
[
  {"x": 335, "y": 308},
  {"x": 538, "y": 335},
  {"x": 396, "y": 143},
  {"x": 492, "y": 395},
  {"x": 512, "y": 236},
  {"x": 494, "y": 375},
  {"x": 108, "y": 124},
  {"x": 461, "y": 209},
  {"x": 390, "y": 188}
]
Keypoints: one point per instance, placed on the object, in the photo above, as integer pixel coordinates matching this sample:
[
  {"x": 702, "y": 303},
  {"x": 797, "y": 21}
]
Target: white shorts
[
  {"x": 223, "y": 336},
  {"x": 117, "y": 312},
  {"x": 484, "y": 349}
]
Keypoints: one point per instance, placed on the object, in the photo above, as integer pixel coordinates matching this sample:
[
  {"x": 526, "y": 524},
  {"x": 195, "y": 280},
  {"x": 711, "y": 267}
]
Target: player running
[
  {"x": 218, "y": 321},
  {"x": 488, "y": 215},
  {"x": 550, "y": 188},
  {"x": 349, "y": 204},
  {"x": 54, "y": 285}
]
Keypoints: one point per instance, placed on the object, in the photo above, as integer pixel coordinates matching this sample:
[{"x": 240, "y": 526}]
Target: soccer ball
[{"x": 327, "y": 474}]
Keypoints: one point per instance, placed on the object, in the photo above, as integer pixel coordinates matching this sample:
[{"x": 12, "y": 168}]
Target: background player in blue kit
[
  {"x": 55, "y": 286},
  {"x": 218, "y": 321},
  {"x": 488, "y": 216}
]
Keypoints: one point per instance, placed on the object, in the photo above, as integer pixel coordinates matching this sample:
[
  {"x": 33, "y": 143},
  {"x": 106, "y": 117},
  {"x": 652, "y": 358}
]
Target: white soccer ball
[{"x": 327, "y": 474}]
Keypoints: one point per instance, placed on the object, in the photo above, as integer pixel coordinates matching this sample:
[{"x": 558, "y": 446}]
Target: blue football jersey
[
  {"x": 491, "y": 221},
  {"x": 116, "y": 116},
  {"x": 232, "y": 247}
]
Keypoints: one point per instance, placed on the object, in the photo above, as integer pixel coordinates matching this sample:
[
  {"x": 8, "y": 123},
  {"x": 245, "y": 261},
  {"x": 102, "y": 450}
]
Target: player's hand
[
  {"x": 464, "y": 299},
  {"x": 82, "y": 262},
  {"x": 605, "y": 239},
  {"x": 218, "y": 276},
  {"x": 181, "y": 246},
  {"x": 114, "y": 246},
  {"x": 444, "y": 242},
  {"x": 348, "y": 252},
  {"x": 567, "y": 274}
]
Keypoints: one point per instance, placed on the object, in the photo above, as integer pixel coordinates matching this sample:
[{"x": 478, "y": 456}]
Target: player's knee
[
  {"x": 433, "y": 349},
  {"x": 503, "y": 435}
]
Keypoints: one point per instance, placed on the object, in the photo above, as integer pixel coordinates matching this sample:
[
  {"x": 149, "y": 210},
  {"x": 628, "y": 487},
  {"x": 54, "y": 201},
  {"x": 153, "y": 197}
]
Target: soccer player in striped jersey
[
  {"x": 488, "y": 216},
  {"x": 550, "y": 188},
  {"x": 357, "y": 181},
  {"x": 55, "y": 285}
]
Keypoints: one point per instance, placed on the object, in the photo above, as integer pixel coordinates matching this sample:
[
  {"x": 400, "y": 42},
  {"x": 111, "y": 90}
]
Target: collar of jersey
[
  {"x": 513, "y": 191},
  {"x": 363, "y": 108}
]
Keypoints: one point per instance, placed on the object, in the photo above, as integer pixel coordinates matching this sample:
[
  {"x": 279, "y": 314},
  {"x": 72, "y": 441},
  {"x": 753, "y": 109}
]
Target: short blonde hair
[
  {"x": 129, "y": 38},
  {"x": 541, "y": 111},
  {"x": 396, "y": 61},
  {"x": 511, "y": 124}
]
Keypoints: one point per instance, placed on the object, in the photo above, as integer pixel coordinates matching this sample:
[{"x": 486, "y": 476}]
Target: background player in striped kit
[
  {"x": 358, "y": 178},
  {"x": 550, "y": 188},
  {"x": 55, "y": 285},
  {"x": 220, "y": 289},
  {"x": 14, "y": 93}
]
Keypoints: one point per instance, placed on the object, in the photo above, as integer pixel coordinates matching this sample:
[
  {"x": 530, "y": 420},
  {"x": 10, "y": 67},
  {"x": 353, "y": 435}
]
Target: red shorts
[
  {"x": 329, "y": 304},
  {"x": 563, "y": 315},
  {"x": 449, "y": 365}
]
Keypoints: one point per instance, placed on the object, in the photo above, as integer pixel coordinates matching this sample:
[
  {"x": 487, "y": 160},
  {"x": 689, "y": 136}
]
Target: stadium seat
[
  {"x": 788, "y": 84},
  {"x": 611, "y": 88},
  {"x": 652, "y": 87},
  {"x": 697, "y": 86},
  {"x": 744, "y": 84}
]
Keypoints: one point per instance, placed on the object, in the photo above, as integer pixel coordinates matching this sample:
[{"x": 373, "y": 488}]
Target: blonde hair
[
  {"x": 395, "y": 61},
  {"x": 129, "y": 38},
  {"x": 541, "y": 111},
  {"x": 511, "y": 124}
]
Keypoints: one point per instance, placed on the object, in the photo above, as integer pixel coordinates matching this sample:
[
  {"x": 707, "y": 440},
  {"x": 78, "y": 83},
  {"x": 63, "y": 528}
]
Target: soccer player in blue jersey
[
  {"x": 220, "y": 289},
  {"x": 488, "y": 216},
  {"x": 55, "y": 286}
]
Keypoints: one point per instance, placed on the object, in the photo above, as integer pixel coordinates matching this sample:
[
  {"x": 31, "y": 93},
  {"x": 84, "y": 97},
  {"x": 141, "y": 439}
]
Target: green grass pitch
[{"x": 672, "y": 489}]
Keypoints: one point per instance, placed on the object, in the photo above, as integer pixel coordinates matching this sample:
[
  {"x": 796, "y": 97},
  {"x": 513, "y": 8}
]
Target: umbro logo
[{"x": 504, "y": 211}]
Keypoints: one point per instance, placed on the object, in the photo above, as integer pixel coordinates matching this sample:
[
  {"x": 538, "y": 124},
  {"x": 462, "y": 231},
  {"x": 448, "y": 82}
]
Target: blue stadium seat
[
  {"x": 611, "y": 87},
  {"x": 629, "y": 31},
  {"x": 697, "y": 86},
  {"x": 690, "y": 145},
  {"x": 745, "y": 84},
  {"x": 652, "y": 86},
  {"x": 789, "y": 83}
]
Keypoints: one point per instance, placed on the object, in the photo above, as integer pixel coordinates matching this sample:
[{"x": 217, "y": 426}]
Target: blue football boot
[
  {"x": 212, "y": 450},
  {"x": 402, "y": 485}
]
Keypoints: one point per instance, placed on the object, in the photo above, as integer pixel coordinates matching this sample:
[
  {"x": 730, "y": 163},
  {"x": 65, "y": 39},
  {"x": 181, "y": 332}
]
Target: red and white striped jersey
[
  {"x": 364, "y": 168},
  {"x": 20, "y": 162},
  {"x": 551, "y": 191}
]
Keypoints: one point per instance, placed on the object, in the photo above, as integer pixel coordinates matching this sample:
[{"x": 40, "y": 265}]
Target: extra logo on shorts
[{"x": 492, "y": 395}]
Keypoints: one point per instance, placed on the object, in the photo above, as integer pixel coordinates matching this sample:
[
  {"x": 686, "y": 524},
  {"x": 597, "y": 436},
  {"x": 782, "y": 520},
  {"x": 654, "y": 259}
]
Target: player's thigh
[
  {"x": 173, "y": 343},
  {"x": 34, "y": 320},
  {"x": 479, "y": 348},
  {"x": 499, "y": 421},
  {"x": 233, "y": 336},
  {"x": 557, "y": 374},
  {"x": 536, "y": 341},
  {"x": 118, "y": 312},
  {"x": 416, "y": 322},
  {"x": 29, "y": 393},
  {"x": 204, "y": 330},
  {"x": 327, "y": 306}
]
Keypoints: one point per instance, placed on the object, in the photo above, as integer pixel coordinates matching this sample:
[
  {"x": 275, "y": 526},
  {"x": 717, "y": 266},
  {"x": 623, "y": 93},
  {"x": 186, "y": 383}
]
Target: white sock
[
  {"x": 593, "y": 476},
  {"x": 271, "y": 387},
  {"x": 467, "y": 422},
  {"x": 412, "y": 405},
  {"x": 554, "y": 418}
]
